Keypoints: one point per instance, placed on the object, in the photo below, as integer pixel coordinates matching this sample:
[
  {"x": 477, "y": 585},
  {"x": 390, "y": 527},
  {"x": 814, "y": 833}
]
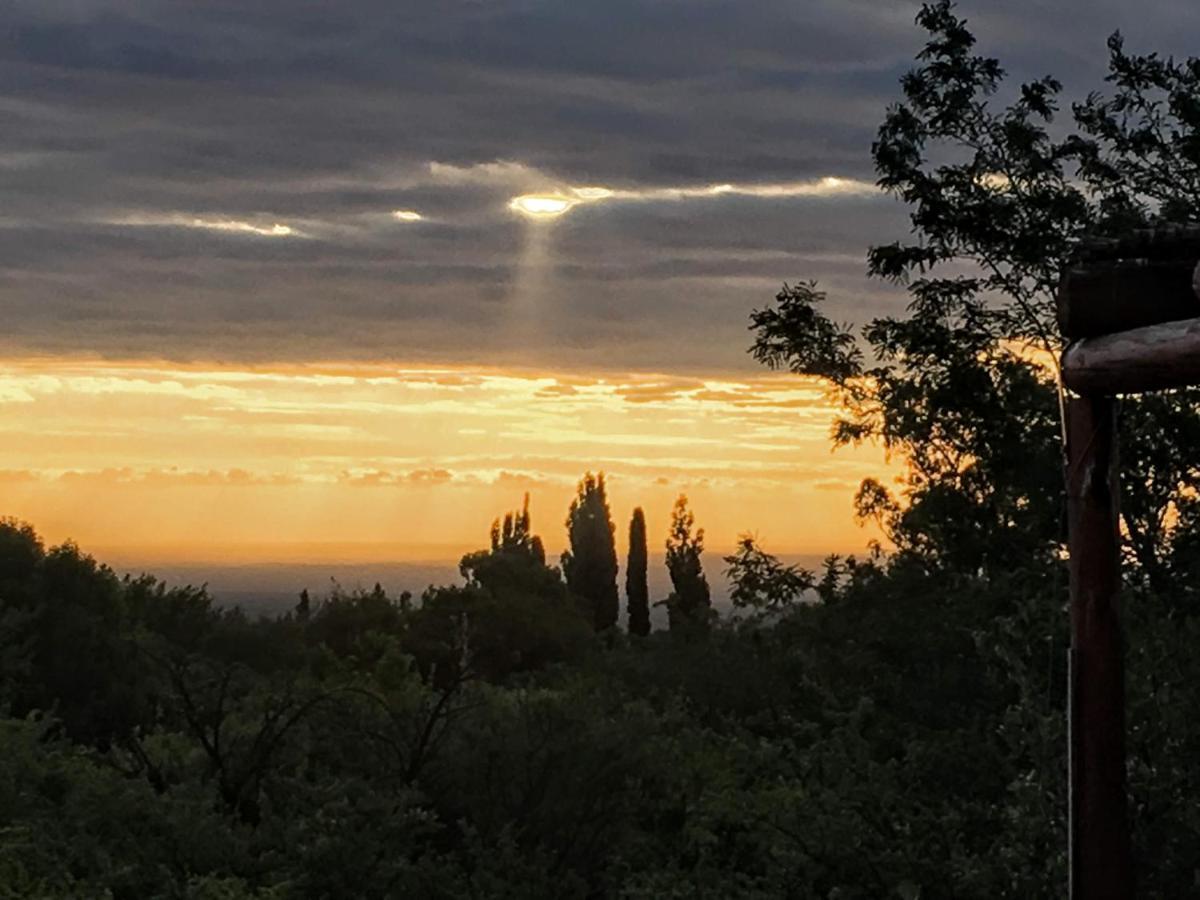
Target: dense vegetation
[
  {"x": 482, "y": 742},
  {"x": 891, "y": 726}
]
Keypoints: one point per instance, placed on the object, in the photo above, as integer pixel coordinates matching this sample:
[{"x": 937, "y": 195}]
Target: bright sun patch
[{"x": 541, "y": 206}]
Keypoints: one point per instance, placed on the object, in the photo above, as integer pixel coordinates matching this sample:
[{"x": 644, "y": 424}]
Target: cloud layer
[{"x": 283, "y": 181}]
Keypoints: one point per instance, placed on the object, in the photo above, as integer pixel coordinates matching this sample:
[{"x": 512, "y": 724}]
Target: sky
[{"x": 347, "y": 280}]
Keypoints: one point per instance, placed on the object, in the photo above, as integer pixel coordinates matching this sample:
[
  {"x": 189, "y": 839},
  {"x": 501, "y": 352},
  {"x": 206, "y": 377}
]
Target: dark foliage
[
  {"x": 590, "y": 565},
  {"x": 689, "y": 608}
]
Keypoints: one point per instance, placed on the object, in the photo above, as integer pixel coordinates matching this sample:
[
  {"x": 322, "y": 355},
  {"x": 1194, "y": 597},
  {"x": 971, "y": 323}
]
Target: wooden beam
[
  {"x": 1130, "y": 362},
  {"x": 1100, "y": 859},
  {"x": 1106, "y": 296}
]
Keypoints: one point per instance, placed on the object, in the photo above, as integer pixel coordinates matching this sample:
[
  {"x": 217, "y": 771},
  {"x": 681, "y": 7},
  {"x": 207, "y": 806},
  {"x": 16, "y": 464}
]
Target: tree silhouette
[
  {"x": 689, "y": 607},
  {"x": 999, "y": 201},
  {"x": 590, "y": 565},
  {"x": 761, "y": 583},
  {"x": 514, "y": 614},
  {"x": 961, "y": 384},
  {"x": 516, "y": 535},
  {"x": 637, "y": 589}
]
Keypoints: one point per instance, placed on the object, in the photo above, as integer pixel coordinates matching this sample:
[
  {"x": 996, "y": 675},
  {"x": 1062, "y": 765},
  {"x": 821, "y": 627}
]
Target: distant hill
[{"x": 271, "y": 588}]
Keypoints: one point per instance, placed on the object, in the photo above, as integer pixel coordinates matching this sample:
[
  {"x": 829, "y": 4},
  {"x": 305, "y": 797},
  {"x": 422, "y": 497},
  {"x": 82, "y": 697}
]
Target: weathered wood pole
[
  {"x": 1100, "y": 863},
  {"x": 1130, "y": 362}
]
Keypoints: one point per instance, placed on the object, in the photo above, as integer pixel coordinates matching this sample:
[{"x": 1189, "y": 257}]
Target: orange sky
[{"x": 322, "y": 463}]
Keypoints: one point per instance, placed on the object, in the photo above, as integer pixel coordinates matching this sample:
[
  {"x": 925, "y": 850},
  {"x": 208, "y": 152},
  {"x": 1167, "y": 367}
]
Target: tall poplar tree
[
  {"x": 590, "y": 565},
  {"x": 637, "y": 588}
]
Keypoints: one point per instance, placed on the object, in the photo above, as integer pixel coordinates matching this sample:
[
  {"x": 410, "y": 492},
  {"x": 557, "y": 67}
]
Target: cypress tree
[
  {"x": 590, "y": 565},
  {"x": 637, "y": 588}
]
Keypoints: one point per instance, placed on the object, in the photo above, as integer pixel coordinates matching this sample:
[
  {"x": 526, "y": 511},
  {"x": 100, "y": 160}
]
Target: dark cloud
[{"x": 149, "y": 148}]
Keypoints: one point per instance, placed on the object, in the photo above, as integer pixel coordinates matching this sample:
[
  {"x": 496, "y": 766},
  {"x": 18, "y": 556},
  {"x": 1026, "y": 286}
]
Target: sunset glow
[{"x": 209, "y": 462}]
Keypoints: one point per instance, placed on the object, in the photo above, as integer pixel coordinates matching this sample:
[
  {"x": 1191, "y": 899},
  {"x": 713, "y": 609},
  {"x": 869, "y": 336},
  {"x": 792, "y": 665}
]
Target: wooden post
[
  {"x": 1130, "y": 310},
  {"x": 1100, "y": 864},
  {"x": 1130, "y": 362}
]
